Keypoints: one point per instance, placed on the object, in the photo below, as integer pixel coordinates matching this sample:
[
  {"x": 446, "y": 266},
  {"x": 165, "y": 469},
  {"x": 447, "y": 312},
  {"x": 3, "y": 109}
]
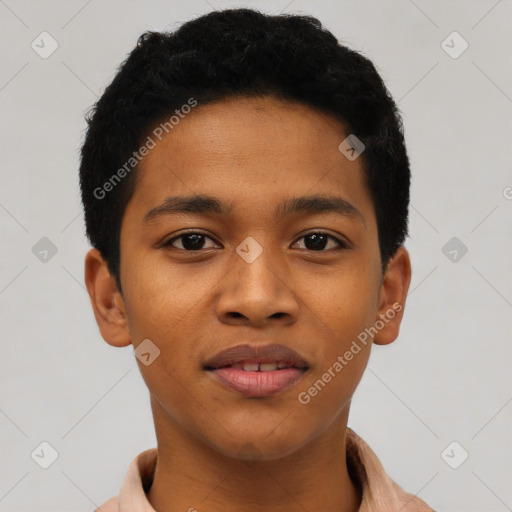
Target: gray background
[{"x": 446, "y": 378}]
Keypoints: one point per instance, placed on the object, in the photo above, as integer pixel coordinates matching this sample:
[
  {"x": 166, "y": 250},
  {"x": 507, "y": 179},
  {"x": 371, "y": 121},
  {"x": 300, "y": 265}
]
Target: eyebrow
[{"x": 208, "y": 205}]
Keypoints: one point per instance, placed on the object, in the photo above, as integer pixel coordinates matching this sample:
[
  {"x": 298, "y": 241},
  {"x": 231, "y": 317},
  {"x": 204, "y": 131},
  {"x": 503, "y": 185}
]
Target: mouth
[{"x": 257, "y": 371}]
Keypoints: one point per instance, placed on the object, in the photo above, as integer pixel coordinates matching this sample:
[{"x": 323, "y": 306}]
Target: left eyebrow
[
  {"x": 208, "y": 205},
  {"x": 311, "y": 205}
]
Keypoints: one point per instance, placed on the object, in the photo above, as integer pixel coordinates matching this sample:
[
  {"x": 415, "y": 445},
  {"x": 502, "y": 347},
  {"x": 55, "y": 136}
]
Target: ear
[
  {"x": 107, "y": 303},
  {"x": 392, "y": 296}
]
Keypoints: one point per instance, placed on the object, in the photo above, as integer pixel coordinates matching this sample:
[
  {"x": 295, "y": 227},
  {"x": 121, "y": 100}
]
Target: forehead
[{"x": 252, "y": 151}]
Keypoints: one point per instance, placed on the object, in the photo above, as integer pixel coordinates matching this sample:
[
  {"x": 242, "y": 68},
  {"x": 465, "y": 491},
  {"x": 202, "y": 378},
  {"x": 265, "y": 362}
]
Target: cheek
[
  {"x": 341, "y": 307},
  {"x": 160, "y": 306},
  {"x": 160, "y": 295},
  {"x": 342, "y": 301},
  {"x": 331, "y": 385}
]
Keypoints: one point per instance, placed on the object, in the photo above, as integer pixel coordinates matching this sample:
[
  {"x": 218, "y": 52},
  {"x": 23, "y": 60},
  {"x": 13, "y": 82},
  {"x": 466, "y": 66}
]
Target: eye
[
  {"x": 318, "y": 240},
  {"x": 195, "y": 241},
  {"x": 191, "y": 241}
]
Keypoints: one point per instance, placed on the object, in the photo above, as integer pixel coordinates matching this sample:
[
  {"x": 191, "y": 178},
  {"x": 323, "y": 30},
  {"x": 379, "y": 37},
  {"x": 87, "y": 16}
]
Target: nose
[{"x": 257, "y": 293}]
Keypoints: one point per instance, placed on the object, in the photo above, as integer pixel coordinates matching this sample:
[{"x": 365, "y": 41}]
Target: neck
[{"x": 192, "y": 476}]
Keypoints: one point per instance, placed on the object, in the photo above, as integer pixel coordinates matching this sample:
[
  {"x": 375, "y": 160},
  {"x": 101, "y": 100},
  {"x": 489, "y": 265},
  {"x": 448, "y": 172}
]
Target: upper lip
[{"x": 246, "y": 353}]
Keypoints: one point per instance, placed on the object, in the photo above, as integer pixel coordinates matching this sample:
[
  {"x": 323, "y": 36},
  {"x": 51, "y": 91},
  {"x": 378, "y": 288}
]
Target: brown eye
[
  {"x": 318, "y": 241},
  {"x": 193, "y": 241}
]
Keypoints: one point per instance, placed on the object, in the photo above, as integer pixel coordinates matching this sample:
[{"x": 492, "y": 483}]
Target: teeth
[
  {"x": 263, "y": 367},
  {"x": 250, "y": 367}
]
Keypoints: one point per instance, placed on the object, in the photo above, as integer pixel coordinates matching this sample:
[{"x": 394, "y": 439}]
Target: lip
[
  {"x": 260, "y": 354},
  {"x": 257, "y": 383}
]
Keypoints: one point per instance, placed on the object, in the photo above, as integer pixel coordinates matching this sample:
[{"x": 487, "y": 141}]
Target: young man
[{"x": 246, "y": 187}]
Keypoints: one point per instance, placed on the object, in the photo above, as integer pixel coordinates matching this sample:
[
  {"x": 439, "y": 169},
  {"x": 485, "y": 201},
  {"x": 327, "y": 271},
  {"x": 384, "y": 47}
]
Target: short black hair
[{"x": 240, "y": 53}]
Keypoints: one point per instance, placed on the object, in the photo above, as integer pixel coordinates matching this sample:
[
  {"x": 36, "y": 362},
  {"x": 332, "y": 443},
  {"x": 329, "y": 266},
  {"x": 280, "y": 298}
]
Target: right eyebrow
[{"x": 199, "y": 204}]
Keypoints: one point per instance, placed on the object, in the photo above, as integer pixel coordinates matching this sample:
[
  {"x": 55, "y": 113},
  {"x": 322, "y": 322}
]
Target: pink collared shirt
[{"x": 380, "y": 493}]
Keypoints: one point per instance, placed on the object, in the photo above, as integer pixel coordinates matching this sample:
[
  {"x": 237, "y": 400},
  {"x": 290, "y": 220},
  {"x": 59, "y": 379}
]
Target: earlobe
[
  {"x": 392, "y": 297},
  {"x": 107, "y": 303}
]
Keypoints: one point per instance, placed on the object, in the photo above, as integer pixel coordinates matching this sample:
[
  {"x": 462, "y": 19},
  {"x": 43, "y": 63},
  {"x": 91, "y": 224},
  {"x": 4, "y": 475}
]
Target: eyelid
[
  {"x": 168, "y": 242},
  {"x": 343, "y": 244}
]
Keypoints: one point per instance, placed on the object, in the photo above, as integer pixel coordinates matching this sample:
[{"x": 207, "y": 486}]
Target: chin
[{"x": 259, "y": 445}]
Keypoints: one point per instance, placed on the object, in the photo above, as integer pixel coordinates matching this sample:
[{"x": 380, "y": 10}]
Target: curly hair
[{"x": 241, "y": 53}]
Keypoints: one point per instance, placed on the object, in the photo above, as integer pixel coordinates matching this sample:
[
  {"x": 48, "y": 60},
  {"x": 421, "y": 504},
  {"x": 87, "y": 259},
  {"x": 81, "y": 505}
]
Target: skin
[{"x": 252, "y": 152}]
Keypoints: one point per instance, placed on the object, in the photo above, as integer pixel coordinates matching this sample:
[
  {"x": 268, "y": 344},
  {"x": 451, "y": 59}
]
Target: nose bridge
[
  {"x": 255, "y": 288},
  {"x": 256, "y": 265}
]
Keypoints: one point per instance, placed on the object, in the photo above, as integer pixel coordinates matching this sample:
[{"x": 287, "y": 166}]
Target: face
[{"x": 243, "y": 269}]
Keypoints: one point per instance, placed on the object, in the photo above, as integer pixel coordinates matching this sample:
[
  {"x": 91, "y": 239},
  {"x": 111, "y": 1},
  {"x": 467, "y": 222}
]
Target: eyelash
[{"x": 342, "y": 245}]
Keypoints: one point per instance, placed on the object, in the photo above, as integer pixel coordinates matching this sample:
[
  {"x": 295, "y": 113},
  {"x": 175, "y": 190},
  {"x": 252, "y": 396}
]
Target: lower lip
[{"x": 258, "y": 383}]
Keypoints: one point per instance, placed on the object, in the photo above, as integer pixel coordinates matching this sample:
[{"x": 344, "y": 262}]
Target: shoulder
[
  {"x": 410, "y": 502},
  {"x": 379, "y": 491},
  {"x": 112, "y": 505}
]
